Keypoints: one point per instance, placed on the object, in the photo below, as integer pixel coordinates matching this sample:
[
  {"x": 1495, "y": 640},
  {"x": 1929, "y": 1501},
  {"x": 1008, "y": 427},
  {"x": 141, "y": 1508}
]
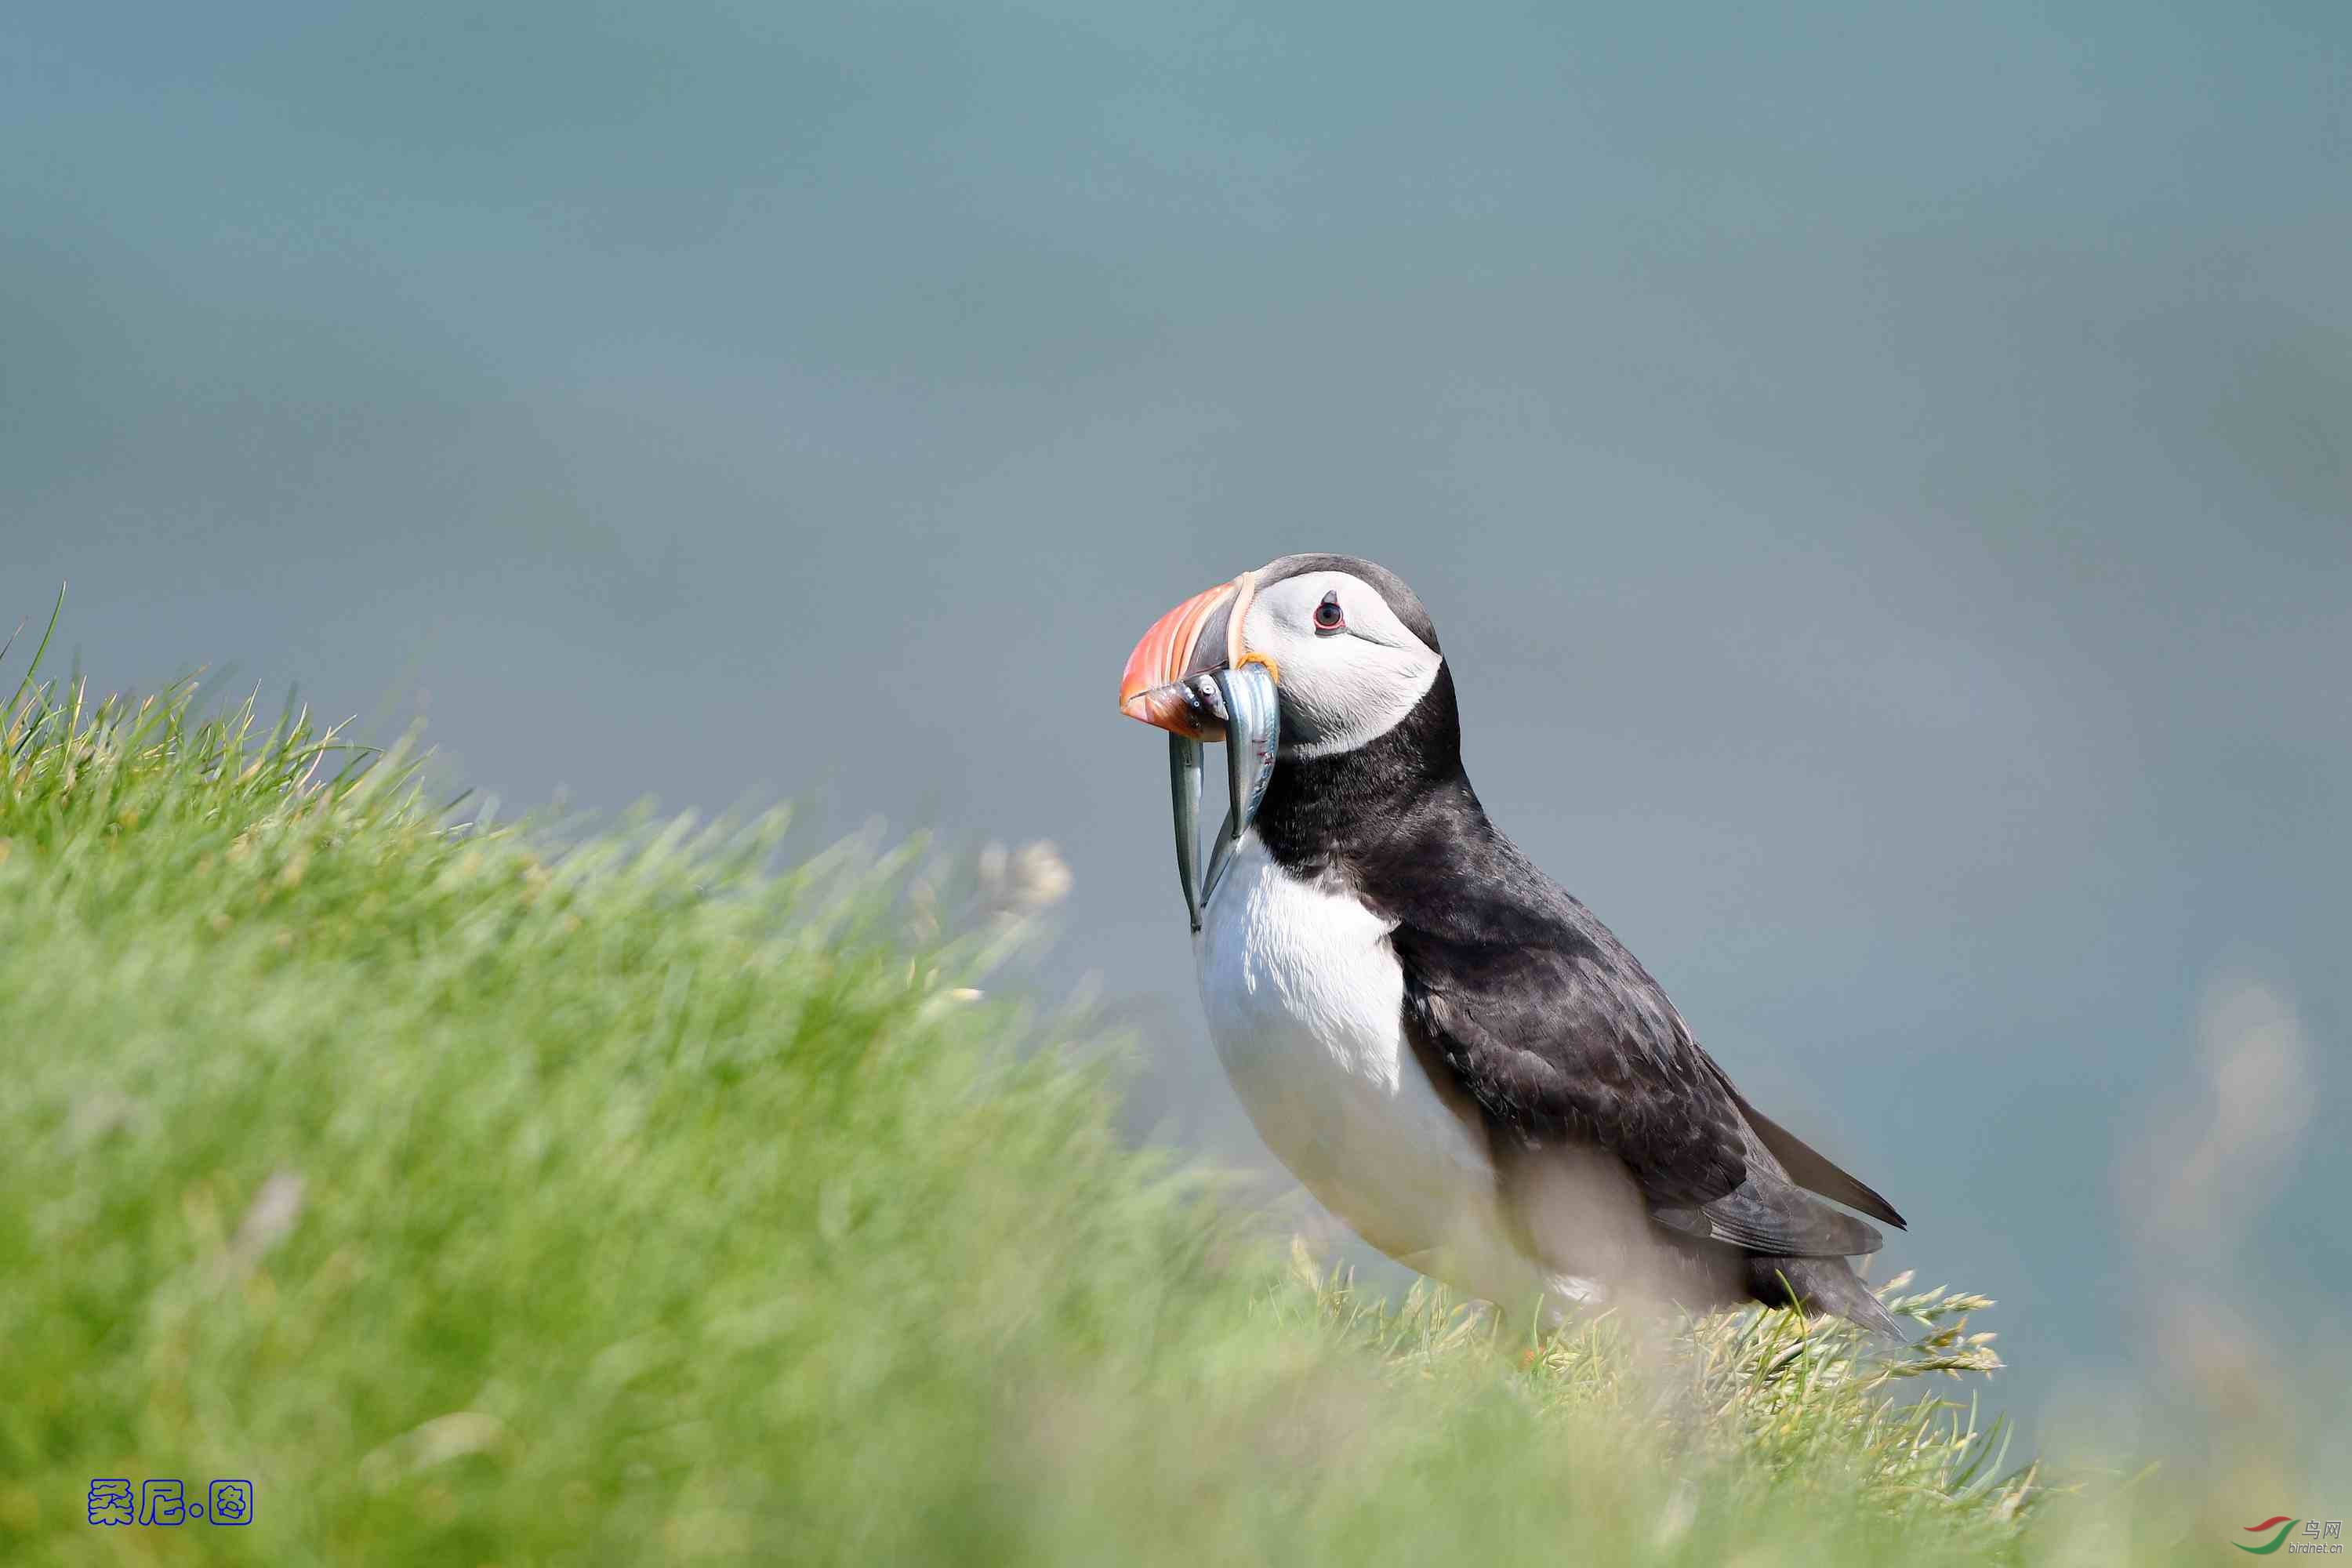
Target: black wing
[
  {"x": 1810, "y": 1168},
  {"x": 1562, "y": 1038}
]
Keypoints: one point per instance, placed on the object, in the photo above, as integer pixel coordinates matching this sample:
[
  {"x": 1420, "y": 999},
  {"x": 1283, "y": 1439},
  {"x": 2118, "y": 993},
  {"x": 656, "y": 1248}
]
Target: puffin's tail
[{"x": 1823, "y": 1285}]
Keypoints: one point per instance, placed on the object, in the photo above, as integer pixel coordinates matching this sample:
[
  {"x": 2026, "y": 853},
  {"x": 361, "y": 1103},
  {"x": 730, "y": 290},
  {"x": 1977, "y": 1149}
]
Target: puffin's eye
[{"x": 1328, "y": 616}]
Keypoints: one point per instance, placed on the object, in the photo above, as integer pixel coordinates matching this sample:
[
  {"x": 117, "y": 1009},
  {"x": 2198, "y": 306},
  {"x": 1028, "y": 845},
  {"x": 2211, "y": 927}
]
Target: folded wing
[{"x": 1564, "y": 1041}]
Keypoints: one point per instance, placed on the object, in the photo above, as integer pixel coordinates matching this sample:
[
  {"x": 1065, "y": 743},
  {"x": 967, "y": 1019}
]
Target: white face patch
[{"x": 1338, "y": 687}]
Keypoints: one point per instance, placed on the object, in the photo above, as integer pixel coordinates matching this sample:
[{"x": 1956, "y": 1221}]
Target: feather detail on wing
[
  {"x": 1811, "y": 1169},
  {"x": 1563, "y": 1040}
]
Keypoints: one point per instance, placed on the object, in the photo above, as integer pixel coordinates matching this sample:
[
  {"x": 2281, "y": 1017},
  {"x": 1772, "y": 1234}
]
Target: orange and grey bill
[{"x": 1153, "y": 688}]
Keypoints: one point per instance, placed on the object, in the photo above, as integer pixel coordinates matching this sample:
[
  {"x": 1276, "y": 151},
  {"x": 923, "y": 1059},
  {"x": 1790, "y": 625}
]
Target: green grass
[{"x": 489, "y": 1202}]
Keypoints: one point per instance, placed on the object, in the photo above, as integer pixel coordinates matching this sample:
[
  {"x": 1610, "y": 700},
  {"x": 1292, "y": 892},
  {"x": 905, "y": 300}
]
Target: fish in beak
[
  {"x": 1192, "y": 676},
  {"x": 1165, "y": 682}
]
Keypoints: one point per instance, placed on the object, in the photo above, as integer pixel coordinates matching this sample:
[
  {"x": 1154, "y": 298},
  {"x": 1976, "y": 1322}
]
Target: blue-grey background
[{"x": 1882, "y": 476}]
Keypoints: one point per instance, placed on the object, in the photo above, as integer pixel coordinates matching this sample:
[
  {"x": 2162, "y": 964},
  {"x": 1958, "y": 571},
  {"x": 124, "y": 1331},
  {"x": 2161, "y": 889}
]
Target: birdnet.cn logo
[
  {"x": 113, "y": 1501},
  {"x": 2308, "y": 1535}
]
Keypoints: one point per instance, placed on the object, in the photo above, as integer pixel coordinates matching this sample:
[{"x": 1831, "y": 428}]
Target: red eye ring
[{"x": 1328, "y": 616}]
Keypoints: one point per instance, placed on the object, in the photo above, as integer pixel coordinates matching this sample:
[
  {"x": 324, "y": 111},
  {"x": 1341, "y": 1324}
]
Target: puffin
[{"x": 1438, "y": 1040}]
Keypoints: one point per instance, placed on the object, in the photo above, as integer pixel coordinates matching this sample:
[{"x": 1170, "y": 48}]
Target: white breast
[{"x": 1305, "y": 1001}]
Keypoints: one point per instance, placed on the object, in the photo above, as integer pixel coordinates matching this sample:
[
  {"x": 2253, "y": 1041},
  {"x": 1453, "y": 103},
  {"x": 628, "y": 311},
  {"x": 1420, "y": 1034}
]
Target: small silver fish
[
  {"x": 1242, "y": 709},
  {"x": 1184, "y": 783},
  {"x": 1252, "y": 736}
]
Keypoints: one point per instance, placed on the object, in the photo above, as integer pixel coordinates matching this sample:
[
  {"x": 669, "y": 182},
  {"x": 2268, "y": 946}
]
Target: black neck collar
[{"x": 1335, "y": 813}]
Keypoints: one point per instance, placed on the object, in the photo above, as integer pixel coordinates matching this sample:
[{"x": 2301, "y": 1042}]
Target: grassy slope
[{"x": 635, "y": 1207}]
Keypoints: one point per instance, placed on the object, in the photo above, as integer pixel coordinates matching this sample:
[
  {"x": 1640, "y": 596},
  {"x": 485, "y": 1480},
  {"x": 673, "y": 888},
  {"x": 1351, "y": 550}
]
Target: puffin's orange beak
[{"x": 1153, "y": 688}]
